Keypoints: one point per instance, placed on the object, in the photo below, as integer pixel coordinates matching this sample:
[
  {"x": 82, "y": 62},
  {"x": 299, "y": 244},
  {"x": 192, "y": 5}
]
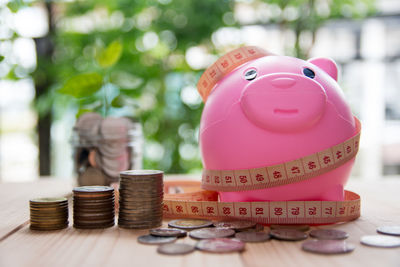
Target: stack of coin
[
  {"x": 93, "y": 207},
  {"x": 140, "y": 199},
  {"x": 48, "y": 213}
]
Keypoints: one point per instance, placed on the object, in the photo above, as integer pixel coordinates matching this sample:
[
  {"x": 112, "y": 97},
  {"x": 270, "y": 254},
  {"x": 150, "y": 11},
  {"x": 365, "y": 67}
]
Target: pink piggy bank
[{"x": 271, "y": 110}]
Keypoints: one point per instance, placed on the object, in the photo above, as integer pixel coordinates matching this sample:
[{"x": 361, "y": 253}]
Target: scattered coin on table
[
  {"x": 156, "y": 240},
  {"x": 257, "y": 228},
  {"x": 220, "y": 245},
  {"x": 382, "y": 241},
  {"x": 327, "y": 246},
  {"x": 190, "y": 223},
  {"x": 332, "y": 234},
  {"x": 389, "y": 230},
  {"x": 205, "y": 233},
  {"x": 299, "y": 227},
  {"x": 168, "y": 232},
  {"x": 288, "y": 234},
  {"x": 235, "y": 225},
  {"x": 253, "y": 236},
  {"x": 175, "y": 249}
]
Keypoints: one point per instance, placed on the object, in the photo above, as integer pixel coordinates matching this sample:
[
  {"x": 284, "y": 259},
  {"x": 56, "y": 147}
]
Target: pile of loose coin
[
  {"x": 140, "y": 199},
  {"x": 388, "y": 238},
  {"x": 94, "y": 207},
  {"x": 231, "y": 236},
  {"x": 48, "y": 213}
]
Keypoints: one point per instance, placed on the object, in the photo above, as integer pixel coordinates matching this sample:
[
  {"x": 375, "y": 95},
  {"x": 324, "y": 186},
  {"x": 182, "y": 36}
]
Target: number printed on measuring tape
[
  {"x": 266, "y": 212},
  {"x": 226, "y": 64},
  {"x": 286, "y": 173}
]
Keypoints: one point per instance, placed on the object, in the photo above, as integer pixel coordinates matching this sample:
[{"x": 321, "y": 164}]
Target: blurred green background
[{"x": 143, "y": 58}]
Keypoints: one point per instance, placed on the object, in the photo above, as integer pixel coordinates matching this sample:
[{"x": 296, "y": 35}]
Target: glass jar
[{"x": 103, "y": 147}]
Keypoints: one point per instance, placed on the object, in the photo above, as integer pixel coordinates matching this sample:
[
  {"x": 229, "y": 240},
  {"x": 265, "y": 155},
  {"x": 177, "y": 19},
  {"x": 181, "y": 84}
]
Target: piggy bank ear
[{"x": 326, "y": 64}]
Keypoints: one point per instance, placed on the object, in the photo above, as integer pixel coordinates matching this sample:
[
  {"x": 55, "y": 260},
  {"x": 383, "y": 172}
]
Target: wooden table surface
[{"x": 70, "y": 247}]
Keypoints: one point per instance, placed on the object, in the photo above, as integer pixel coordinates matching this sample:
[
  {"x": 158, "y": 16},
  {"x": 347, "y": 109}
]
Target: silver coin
[
  {"x": 168, "y": 232},
  {"x": 205, "y": 233},
  {"x": 88, "y": 125},
  {"x": 155, "y": 240},
  {"x": 141, "y": 173},
  {"x": 258, "y": 228},
  {"x": 327, "y": 246},
  {"x": 288, "y": 234},
  {"x": 300, "y": 227},
  {"x": 389, "y": 230},
  {"x": 220, "y": 245},
  {"x": 175, "y": 249},
  {"x": 253, "y": 236},
  {"x": 189, "y": 223},
  {"x": 331, "y": 234},
  {"x": 382, "y": 241},
  {"x": 236, "y": 225},
  {"x": 113, "y": 128}
]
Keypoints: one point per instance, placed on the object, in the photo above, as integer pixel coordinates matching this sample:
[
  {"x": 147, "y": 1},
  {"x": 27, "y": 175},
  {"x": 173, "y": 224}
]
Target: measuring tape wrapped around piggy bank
[{"x": 278, "y": 142}]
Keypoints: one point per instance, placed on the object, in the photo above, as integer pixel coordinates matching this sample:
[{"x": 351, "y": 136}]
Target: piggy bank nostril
[{"x": 283, "y": 82}]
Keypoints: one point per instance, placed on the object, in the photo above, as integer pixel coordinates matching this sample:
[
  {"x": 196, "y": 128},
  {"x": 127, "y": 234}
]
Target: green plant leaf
[
  {"x": 1, "y": 58},
  {"x": 109, "y": 56},
  {"x": 82, "y": 85},
  {"x": 117, "y": 102},
  {"x": 15, "y": 5},
  {"x": 82, "y": 111}
]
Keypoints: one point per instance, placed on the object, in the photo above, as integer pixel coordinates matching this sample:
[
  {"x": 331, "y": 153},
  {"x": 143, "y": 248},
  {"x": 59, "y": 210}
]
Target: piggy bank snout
[
  {"x": 283, "y": 82},
  {"x": 283, "y": 102}
]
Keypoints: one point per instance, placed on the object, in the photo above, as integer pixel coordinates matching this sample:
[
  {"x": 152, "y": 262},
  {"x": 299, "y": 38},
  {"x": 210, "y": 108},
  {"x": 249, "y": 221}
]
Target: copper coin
[
  {"x": 205, "y": 233},
  {"x": 382, "y": 241},
  {"x": 51, "y": 228},
  {"x": 258, "y": 228},
  {"x": 168, "y": 232},
  {"x": 220, "y": 245},
  {"x": 156, "y": 240},
  {"x": 328, "y": 246},
  {"x": 49, "y": 200},
  {"x": 288, "y": 234},
  {"x": 175, "y": 249},
  {"x": 94, "y": 226},
  {"x": 329, "y": 234},
  {"x": 189, "y": 223},
  {"x": 236, "y": 225},
  {"x": 300, "y": 227},
  {"x": 253, "y": 236},
  {"x": 389, "y": 230}
]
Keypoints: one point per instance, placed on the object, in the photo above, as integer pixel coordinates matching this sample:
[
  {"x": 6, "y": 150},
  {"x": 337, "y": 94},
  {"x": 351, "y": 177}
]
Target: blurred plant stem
[{"x": 43, "y": 82}]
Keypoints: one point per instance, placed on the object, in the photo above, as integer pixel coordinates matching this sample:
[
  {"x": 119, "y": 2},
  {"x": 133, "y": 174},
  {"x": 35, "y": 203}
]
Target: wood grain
[
  {"x": 14, "y": 200},
  {"x": 118, "y": 247}
]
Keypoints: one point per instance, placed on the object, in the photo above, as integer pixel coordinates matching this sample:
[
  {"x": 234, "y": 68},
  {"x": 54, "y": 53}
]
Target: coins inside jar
[
  {"x": 93, "y": 207},
  {"x": 48, "y": 214},
  {"x": 140, "y": 199}
]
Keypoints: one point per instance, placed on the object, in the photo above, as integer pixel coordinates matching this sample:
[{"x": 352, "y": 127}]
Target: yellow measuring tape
[
  {"x": 197, "y": 203},
  {"x": 286, "y": 173},
  {"x": 226, "y": 64}
]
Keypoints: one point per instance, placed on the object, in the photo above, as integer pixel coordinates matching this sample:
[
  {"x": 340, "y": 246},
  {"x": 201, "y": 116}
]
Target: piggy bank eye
[
  {"x": 309, "y": 73},
  {"x": 250, "y": 74}
]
